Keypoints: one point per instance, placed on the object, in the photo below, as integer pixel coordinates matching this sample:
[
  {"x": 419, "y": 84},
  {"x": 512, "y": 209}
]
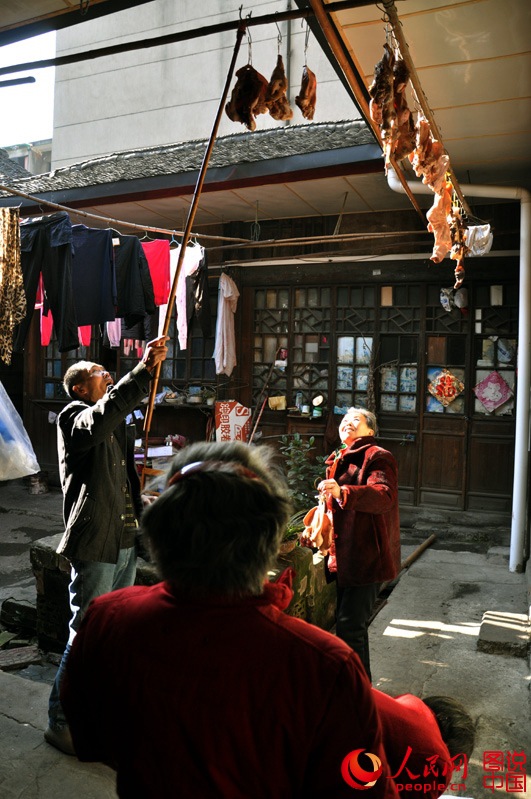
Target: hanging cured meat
[
  {"x": 428, "y": 158},
  {"x": 438, "y": 217},
  {"x": 307, "y": 96},
  {"x": 248, "y": 97},
  {"x": 276, "y": 98},
  {"x": 381, "y": 89},
  {"x": 403, "y": 138},
  {"x": 388, "y": 106}
]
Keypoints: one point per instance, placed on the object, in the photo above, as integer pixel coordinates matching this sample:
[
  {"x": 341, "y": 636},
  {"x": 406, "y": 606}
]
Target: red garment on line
[{"x": 157, "y": 253}]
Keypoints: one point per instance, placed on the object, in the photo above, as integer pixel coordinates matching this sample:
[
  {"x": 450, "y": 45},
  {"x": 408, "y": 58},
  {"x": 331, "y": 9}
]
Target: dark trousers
[{"x": 354, "y": 608}]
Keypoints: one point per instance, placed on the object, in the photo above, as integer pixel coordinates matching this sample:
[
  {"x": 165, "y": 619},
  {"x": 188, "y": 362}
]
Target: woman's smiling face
[{"x": 354, "y": 425}]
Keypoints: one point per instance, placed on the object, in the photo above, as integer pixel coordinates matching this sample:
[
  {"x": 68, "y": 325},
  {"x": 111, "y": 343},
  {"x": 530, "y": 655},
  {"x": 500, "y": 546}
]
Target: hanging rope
[
  {"x": 249, "y": 46},
  {"x": 306, "y": 43},
  {"x": 255, "y": 227},
  {"x": 279, "y": 39}
]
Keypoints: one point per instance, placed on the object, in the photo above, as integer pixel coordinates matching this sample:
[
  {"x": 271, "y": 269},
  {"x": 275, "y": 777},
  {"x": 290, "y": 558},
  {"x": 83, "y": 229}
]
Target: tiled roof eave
[{"x": 248, "y": 154}]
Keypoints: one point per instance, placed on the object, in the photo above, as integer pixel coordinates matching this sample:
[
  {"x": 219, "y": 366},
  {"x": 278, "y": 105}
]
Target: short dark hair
[
  {"x": 77, "y": 373},
  {"x": 458, "y": 730},
  {"x": 218, "y": 527}
]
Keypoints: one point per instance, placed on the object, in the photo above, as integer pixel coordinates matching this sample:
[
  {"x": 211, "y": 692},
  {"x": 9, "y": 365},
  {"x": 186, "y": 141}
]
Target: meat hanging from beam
[
  {"x": 402, "y": 137},
  {"x": 388, "y": 106}
]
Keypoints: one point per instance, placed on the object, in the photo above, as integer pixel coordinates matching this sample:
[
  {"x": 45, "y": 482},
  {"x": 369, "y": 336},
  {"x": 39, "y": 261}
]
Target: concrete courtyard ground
[{"x": 424, "y": 641}]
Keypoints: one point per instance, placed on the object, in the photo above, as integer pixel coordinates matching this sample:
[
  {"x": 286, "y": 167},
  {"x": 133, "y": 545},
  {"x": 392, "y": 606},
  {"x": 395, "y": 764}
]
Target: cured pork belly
[
  {"x": 438, "y": 217},
  {"x": 307, "y": 96},
  {"x": 276, "y": 97},
  {"x": 248, "y": 97}
]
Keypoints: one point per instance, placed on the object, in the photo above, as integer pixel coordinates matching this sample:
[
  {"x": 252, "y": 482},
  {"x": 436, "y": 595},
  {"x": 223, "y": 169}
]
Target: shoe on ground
[{"x": 61, "y": 739}]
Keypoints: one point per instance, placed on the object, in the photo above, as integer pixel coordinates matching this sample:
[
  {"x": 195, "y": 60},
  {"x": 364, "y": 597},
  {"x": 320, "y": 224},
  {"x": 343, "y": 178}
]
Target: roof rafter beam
[{"x": 181, "y": 36}]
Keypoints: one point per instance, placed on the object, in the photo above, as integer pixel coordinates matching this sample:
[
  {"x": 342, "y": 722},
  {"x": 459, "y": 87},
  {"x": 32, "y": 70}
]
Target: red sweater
[
  {"x": 231, "y": 699},
  {"x": 367, "y": 527},
  {"x": 408, "y": 723}
]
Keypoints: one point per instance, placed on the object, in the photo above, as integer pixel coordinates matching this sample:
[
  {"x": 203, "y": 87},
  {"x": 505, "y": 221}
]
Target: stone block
[
  {"x": 314, "y": 599},
  {"x": 323, "y": 601},
  {"x": 504, "y": 633},
  {"x": 17, "y": 615}
]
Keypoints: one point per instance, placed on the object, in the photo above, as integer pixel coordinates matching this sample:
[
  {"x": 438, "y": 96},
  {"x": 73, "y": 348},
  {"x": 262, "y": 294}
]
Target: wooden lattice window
[
  {"x": 298, "y": 321},
  {"x": 398, "y": 357},
  {"x": 400, "y": 309},
  {"x": 495, "y": 349}
]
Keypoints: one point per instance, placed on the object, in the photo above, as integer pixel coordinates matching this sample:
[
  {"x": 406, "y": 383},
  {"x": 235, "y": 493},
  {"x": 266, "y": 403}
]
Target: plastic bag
[
  {"x": 478, "y": 239},
  {"x": 17, "y": 458}
]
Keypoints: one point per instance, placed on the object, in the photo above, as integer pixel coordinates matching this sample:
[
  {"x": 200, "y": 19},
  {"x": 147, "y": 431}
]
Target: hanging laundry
[
  {"x": 84, "y": 332},
  {"x": 198, "y": 299},
  {"x": 46, "y": 244},
  {"x": 46, "y": 322},
  {"x": 192, "y": 258},
  {"x": 145, "y": 330},
  {"x": 113, "y": 331},
  {"x": 134, "y": 286},
  {"x": 158, "y": 257},
  {"x": 225, "y": 347},
  {"x": 12, "y": 295},
  {"x": 93, "y": 275}
]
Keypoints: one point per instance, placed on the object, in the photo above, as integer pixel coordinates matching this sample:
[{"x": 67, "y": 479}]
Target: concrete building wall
[{"x": 164, "y": 95}]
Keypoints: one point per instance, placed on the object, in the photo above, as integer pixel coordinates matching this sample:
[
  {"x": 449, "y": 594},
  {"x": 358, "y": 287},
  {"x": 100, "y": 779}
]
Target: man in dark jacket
[
  {"x": 362, "y": 479},
  {"x": 101, "y": 494}
]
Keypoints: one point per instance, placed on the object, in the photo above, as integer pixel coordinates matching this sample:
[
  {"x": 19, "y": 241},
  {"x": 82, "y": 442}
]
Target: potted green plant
[
  {"x": 293, "y": 531},
  {"x": 302, "y": 474}
]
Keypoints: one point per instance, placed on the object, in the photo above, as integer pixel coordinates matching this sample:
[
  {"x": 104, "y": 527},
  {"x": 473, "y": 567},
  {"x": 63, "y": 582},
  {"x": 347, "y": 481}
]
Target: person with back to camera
[
  {"x": 428, "y": 742},
  {"x": 201, "y": 685},
  {"x": 101, "y": 494},
  {"x": 362, "y": 484}
]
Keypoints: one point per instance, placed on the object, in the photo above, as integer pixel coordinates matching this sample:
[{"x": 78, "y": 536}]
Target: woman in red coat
[{"x": 362, "y": 479}]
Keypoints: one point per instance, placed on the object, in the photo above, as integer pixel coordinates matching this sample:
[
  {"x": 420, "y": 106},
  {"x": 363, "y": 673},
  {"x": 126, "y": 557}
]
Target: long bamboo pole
[{"x": 189, "y": 222}]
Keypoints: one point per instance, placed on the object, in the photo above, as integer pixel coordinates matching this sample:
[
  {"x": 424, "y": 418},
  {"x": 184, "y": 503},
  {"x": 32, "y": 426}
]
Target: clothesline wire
[
  {"x": 119, "y": 222},
  {"x": 234, "y": 243},
  {"x": 324, "y": 239}
]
